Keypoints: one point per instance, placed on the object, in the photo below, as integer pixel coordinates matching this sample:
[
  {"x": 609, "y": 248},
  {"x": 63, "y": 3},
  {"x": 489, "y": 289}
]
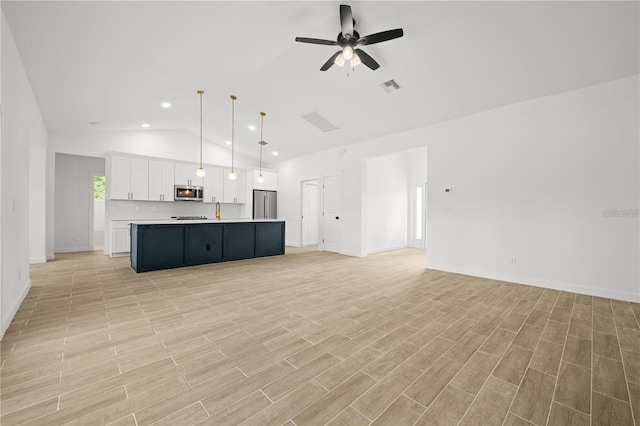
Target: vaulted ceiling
[{"x": 114, "y": 62}]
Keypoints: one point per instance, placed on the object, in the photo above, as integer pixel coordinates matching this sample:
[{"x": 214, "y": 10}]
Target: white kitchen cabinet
[
  {"x": 235, "y": 191},
  {"x": 120, "y": 244},
  {"x": 161, "y": 178},
  {"x": 270, "y": 182},
  {"x": 127, "y": 178},
  {"x": 214, "y": 185},
  {"x": 185, "y": 173}
]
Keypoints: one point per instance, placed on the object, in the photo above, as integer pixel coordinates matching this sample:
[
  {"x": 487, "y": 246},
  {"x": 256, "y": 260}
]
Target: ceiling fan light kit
[{"x": 349, "y": 39}]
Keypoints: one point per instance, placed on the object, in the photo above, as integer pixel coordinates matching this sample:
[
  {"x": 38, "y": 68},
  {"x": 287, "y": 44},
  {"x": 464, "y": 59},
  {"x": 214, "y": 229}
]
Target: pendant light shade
[
  {"x": 200, "y": 172},
  {"x": 232, "y": 173},
  {"x": 262, "y": 143}
]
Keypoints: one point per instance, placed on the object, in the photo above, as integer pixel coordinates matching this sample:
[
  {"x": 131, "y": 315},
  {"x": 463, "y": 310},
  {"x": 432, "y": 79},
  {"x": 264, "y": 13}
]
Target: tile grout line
[
  {"x": 564, "y": 346},
  {"x": 624, "y": 370}
]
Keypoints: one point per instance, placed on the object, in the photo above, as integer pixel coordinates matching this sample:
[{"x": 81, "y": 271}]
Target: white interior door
[
  {"x": 331, "y": 210},
  {"x": 310, "y": 209},
  {"x": 417, "y": 215}
]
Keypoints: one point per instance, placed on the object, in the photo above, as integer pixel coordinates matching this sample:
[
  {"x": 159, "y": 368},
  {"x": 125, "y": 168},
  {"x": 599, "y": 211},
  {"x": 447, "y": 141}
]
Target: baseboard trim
[
  {"x": 292, "y": 244},
  {"x": 352, "y": 253},
  {"x": 37, "y": 260},
  {"x": 537, "y": 282},
  {"x": 72, "y": 249},
  {"x": 6, "y": 322},
  {"x": 388, "y": 248}
]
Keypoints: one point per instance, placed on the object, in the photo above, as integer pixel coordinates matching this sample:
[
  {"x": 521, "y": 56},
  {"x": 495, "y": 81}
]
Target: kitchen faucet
[{"x": 218, "y": 210}]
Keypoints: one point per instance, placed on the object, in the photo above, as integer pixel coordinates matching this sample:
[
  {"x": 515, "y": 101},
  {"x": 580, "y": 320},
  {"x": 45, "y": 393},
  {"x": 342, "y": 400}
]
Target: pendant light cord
[
  {"x": 233, "y": 126},
  {"x": 262, "y": 114},
  {"x": 200, "y": 92}
]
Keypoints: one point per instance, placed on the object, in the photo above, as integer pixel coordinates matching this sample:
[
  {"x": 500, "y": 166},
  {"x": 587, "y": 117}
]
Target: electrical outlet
[{"x": 513, "y": 260}]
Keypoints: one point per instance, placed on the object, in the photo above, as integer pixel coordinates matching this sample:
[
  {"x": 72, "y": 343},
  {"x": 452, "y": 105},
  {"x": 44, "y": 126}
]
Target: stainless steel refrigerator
[{"x": 265, "y": 204}]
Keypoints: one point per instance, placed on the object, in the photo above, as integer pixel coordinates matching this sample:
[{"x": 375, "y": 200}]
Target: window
[{"x": 99, "y": 187}]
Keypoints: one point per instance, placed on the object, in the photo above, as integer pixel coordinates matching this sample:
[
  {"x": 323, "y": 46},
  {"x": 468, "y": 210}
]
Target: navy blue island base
[{"x": 156, "y": 246}]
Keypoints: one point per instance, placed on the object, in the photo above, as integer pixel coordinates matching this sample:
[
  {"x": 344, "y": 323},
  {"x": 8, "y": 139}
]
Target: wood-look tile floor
[{"x": 313, "y": 338}]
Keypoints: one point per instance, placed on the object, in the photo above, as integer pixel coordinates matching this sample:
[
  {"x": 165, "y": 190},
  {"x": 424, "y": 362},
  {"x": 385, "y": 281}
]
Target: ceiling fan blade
[
  {"x": 346, "y": 20},
  {"x": 330, "y": 62},
  {"x": 380, "y": 37},
  {"x": 316, "y": 41},
  {"x": 366, "y": 59}
]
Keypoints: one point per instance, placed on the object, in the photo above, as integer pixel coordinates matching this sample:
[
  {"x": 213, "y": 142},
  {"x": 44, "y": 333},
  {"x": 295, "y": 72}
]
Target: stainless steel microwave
[{"x": 188, "y": 193}]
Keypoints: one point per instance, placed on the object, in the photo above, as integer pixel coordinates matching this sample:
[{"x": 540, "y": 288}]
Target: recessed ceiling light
[
  {"x": 166, "y": 105},
  {"x": 274, "y": 153},
  {"x": 227, "y": 142},
  {"x": 252, "y": 127},
  {"x": 146, "y": 125}
]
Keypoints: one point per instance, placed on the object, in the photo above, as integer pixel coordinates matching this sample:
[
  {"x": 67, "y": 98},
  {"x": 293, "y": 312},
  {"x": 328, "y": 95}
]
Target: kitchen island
[{"x": 165, "y": 244}]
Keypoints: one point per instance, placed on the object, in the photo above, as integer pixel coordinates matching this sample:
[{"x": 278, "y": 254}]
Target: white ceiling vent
[
  {"x": 319, "y": 122},
  {"x": 390, "y": 86}
]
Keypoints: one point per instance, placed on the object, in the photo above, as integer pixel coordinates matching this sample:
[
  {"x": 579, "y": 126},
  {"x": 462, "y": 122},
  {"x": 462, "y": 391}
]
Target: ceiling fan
[{"x": 349, "y": 39}]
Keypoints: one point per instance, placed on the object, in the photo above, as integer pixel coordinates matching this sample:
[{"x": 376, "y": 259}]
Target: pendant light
[
  {"x": 232, "y": 173},
  {"x": 262, "y": 143},
  {"x": 200, "y": 172}
]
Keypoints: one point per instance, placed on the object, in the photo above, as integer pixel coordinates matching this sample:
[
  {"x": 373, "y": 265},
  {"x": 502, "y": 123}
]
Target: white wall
[
  {"x": 387, "y": 197},
  {"x": 37, "y": 203},
  {"x": 350, "y": 163},
  {"x": 530, "y": 181},
  {"x": 387, "y": 186},
  {"x": 98, "y": 220},
  {"x": 22, "y": 126},
  {"x": 73, "y": 229}
]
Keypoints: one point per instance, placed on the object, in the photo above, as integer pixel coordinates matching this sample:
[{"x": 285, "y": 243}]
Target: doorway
[
  {"x": 310, "y": 212},
  {"x": 417, "y": 215},
  {"x": 97, "y": 223},
  {"x": 331, "y": 211}
]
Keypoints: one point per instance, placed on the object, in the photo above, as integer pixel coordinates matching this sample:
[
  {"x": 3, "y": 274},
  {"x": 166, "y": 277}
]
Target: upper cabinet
[
  {"x": 235, "y": 191},
  {"x": 185, "y": 174},
  {"x": 270, "y": 182},
  {"x": 213, "y": 185},
  {"x": 161, "y": 180},
  {"x": 140, "y": 178},
  {"x": 128, "y": 178}
]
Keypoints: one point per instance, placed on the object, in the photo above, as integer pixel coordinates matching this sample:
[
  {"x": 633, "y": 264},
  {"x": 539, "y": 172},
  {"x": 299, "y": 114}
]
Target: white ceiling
[{"x": 114, "y": 63}]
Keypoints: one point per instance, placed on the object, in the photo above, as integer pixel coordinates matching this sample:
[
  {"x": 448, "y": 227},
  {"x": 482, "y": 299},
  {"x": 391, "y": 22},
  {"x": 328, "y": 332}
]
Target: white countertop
[{"x": 178, "y": 222}]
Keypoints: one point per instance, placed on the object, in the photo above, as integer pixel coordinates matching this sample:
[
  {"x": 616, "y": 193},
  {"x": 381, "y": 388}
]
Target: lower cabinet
[
  {"x": 269, "y": 239},
  {"x": 205, "y": 243},
  {"x": 118, "y": 234},
  {"x": 159, "y": 246},
  {"x": 240, "y": 241}
]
